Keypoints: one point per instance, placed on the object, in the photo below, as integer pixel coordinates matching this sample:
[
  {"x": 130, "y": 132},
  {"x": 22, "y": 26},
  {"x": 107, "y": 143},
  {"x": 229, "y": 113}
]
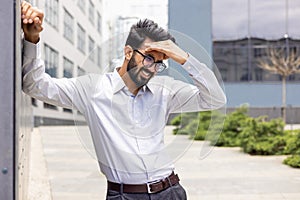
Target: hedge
[{"x": 256, "y": 136}]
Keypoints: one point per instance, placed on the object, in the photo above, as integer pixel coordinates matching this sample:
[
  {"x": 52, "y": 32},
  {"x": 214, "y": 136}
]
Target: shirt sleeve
[
  {"x": 205, "y": 94},
  {"x": 69, "y": 93}
]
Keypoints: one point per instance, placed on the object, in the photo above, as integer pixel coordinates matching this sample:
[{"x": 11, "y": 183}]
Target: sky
[
  {"x": 157, "y": 10},
  {"x": 229, "y": 17},
  {"x": 267, "y": 18}
]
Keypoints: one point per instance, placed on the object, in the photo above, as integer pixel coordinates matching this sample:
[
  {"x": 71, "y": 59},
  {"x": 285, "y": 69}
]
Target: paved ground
[{"x": 63, "y": 167}]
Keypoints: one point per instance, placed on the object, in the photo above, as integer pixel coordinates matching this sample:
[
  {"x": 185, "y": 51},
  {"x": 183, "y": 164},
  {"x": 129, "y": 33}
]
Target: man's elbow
[
  {"x": 219, "y": 102},
  {"x": 222, "y": 100},
  {"x": 28, "y": 88}
]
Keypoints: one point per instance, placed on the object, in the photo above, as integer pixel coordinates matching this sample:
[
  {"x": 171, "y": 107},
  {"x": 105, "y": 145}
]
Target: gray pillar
[
  {"x": 7, "y": 96},
  {"x": 15, "y": 107},
  {"x": 190, "y": 22},
  {"x": 193, "y": 18}
]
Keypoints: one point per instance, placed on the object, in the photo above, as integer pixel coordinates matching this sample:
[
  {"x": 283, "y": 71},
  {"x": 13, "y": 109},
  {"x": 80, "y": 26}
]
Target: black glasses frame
[{"x": 159, "y": 66}]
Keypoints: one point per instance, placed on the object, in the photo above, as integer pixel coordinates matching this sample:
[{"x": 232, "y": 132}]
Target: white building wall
[
  {"x": 119, "y": 15},
  {"x": 56, "y": 40}
]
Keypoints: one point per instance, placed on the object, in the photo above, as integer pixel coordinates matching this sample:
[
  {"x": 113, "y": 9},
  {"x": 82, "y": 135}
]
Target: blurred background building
[
  {"x": 243, "y": 31},
  {"x": 87, "y": 36},
  {"x": 71, "y": 46}
]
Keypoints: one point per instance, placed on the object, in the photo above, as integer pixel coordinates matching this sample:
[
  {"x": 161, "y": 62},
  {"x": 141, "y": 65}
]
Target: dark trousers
[{"x": 175, "y": 192}]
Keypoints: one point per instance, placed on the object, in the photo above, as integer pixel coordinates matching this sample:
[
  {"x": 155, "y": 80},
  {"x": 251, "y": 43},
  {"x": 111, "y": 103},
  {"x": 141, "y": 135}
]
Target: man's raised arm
[{"x": 68, "y": 93}]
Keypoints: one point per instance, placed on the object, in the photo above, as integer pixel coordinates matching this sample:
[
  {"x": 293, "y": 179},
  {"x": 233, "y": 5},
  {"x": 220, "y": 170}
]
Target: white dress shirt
[{"x": 127, "y": 129}]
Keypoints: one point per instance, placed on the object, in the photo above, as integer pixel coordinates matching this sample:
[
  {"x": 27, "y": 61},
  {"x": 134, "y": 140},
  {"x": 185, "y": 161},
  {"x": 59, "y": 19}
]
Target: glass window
[
  {"x": 51, "y": 60},
  {"x": 99, "y": 22},
  {"x": 31, "y": 2},
  {"x": 236, "y": 64},
  {"x": 81, "y": 5},
  {"x": 81, "y": 38},
  {"x": 51, "y": 12},
  {"x": 80, "y": 71},
  {"x": 99, "y": 56},
  {"x": 68, "y": 68},
  {"x": 51, "y": 65},
  {"x": 68, "y": 73},
  {"x": 91, "y": 12},
  {"x": 68, "y": 26},
  {"x": 91, "y": 49}
]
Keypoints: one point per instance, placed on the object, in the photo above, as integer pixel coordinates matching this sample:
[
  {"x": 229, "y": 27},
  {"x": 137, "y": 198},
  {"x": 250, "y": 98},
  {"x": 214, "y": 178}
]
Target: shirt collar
[
  {"x": 148, "y": 87},
  {"x": 118, "y": 83}
]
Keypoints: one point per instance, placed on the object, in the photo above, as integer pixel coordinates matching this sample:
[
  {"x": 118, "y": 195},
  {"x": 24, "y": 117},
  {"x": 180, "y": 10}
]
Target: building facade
[
  {"x": 86, "y": 36},
  {"x": 71, "y": 46},
  {"x": 246, "y": 83},
  {"x": 122, "y": 15},
  {"x": 237, "y": 60}
]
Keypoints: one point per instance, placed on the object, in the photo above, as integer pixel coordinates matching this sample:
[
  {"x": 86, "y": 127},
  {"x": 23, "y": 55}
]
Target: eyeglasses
[{"x": 149, "y": 61}]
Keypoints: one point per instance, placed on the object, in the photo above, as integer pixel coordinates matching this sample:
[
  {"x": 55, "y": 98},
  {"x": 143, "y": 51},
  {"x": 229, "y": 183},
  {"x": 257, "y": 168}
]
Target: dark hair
[{"x": 146, "y": 28}]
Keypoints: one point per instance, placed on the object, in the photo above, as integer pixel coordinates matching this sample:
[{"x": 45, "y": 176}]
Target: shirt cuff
[
  {"x": 31, "y": 50},
  {"x": 193, "y": 66}
]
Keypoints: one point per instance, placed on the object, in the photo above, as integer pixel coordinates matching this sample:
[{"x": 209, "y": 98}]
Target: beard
[{"x": 140, "y": 76}]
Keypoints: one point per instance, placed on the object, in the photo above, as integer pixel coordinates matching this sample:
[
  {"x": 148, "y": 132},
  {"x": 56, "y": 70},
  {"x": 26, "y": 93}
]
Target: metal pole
[
  {"x": 286, "y": 36},
  {"x": 249, "y": 44}
]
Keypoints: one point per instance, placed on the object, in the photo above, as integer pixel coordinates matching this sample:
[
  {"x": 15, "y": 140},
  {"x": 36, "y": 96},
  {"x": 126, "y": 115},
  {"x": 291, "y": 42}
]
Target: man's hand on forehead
[
  {"x": 169, "y": 49},
  {"x": 157, "y": 55}
]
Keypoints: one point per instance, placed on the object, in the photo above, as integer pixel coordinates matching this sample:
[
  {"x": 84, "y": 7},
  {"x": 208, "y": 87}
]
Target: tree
[{"x": 284, "y": 62}]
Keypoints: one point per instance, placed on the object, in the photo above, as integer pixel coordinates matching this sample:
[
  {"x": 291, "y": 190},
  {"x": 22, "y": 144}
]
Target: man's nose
[{"x": 152, "y": 68}]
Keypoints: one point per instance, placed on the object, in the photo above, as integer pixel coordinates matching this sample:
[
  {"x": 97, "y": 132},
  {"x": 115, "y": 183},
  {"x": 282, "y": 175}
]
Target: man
[{"x": 127, "y": 109}]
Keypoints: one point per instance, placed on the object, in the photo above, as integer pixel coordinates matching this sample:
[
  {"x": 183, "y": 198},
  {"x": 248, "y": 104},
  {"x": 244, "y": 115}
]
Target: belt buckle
[{"x": 149, "y": 186}]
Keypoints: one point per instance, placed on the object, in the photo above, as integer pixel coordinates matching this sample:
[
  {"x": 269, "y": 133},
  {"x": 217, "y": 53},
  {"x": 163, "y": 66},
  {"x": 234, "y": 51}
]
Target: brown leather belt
[{"x": 149, "y": 188}]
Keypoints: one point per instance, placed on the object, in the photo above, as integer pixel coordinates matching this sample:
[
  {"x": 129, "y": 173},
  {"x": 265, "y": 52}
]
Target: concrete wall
[
  {"x": 15, "y": 108},
  {"x": 261, "y": 94},
  {"x": 293, "y": 113},
  {"x": 264, "y": 99}
]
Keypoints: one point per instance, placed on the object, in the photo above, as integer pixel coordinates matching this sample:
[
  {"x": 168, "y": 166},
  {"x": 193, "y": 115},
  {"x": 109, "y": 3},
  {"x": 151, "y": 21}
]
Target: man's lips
[{"x": 146, "y": 73}]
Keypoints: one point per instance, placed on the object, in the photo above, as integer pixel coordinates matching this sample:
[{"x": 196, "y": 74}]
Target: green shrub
[
  {"x": 176, "y": 120},
  {"x": 232, "y": 127},
  {"x": 197, "y": 124},
  {"x": 192, "y": 128},
  {"x": 256, "y": 136},
  {"x": 293, "y": 161},
  {"x": 210, "y": 125},
  {"x": 260, "y": 137},
  {"x": 181, "y": 121},
  {"x": 293, "y": 147},
  {"x": 203, "y": 125},
  {"x": 292, "y": 142}
]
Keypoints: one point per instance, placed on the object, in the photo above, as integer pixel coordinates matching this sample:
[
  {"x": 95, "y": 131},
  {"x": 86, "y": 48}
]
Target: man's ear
[{"x": 128, "y": 51}]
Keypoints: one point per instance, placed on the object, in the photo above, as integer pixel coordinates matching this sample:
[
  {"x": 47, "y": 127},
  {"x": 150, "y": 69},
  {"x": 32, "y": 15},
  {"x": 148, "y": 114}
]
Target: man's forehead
[
  {"x": 147, "y": 40},
  {"x": 155, "y": 54}
]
